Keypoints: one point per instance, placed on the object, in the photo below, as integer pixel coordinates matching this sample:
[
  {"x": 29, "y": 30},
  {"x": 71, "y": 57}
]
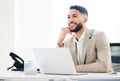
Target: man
[{"x": 89, "y": 48}]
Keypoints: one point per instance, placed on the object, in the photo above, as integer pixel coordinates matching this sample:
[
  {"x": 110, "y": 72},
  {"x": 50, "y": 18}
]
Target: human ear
[{"x": 85, "y": 19}]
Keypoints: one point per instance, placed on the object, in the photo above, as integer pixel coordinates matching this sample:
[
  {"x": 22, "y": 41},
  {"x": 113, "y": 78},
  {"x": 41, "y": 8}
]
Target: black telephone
[{"x": 19, "y": 62}]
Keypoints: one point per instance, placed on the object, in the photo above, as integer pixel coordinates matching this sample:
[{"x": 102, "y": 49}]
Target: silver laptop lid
[{"x": 54, "y": 60}]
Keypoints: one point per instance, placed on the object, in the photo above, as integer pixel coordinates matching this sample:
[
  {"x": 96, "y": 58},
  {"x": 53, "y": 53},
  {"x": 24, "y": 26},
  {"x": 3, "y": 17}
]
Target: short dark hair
[{"x": 80, "y": 8}]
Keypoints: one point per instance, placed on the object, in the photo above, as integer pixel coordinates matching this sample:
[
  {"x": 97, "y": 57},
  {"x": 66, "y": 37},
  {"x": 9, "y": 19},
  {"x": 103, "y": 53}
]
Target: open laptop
[{"x": 54, "y": 60}]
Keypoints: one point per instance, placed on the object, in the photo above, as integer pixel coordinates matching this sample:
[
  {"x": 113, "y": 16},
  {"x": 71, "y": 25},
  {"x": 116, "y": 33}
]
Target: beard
[{"x": 78, "y": 27}]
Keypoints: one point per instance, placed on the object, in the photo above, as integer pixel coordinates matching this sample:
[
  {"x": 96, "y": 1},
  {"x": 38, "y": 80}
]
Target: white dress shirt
[{"x": 79, "y": 46}]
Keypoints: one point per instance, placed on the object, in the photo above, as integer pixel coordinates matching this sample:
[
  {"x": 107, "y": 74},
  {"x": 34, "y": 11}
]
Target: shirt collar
[{"x": 82, "y": 37}]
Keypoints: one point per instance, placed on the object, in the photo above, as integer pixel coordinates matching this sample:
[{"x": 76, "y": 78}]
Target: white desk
[{"x": 9, "y": 75}]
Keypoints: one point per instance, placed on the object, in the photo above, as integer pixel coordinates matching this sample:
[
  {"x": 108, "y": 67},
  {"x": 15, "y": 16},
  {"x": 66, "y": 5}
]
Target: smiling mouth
[{"x": 72, "y": 25}]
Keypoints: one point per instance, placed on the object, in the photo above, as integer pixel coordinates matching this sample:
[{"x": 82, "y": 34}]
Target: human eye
[
  {"x": 75, "y": 15},
  {"x": 68, "y": 17}
]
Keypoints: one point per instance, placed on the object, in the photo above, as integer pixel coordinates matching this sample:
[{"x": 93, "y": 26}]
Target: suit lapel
[{"x": 86, "y": 43}]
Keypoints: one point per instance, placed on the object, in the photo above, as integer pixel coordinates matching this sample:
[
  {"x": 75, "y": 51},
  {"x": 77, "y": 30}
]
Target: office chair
[{"x": 115, "y": 56}]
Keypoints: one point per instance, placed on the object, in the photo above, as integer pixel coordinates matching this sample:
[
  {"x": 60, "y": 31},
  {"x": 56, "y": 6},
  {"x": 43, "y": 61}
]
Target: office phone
[{"x": 18, "y": 62}]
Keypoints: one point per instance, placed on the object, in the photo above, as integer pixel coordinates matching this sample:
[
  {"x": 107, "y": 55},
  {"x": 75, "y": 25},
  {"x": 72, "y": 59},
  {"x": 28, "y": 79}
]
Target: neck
[{"x": 80, "y": 32}]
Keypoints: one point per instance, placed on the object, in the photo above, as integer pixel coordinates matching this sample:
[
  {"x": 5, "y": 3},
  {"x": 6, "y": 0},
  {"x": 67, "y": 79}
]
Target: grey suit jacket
[{"x": 96, "y": 51}]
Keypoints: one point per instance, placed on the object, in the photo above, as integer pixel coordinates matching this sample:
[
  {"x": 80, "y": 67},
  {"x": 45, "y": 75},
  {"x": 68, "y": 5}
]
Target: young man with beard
[{"x": 89, "y": 48}]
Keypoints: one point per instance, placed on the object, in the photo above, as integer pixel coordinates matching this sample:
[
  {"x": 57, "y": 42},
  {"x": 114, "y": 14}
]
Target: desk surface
[{"x": 21, "y": 75}]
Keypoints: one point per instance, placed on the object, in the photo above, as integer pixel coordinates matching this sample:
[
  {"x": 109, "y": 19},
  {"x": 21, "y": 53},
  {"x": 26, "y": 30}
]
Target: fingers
[
  {"x": 63, "y": 33},
  {"x": 66, "y": 30}
]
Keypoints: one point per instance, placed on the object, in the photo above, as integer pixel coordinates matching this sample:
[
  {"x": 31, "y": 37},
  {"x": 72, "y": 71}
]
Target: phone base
[{"x": 20, "y": 69}]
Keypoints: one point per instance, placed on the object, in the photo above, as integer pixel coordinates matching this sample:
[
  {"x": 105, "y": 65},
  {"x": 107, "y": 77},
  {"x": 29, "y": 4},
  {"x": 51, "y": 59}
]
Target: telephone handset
[{"x": 19, "y": 62}]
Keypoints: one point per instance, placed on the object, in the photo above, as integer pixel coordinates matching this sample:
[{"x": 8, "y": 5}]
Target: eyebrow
[{"x": 72, "y": 15}]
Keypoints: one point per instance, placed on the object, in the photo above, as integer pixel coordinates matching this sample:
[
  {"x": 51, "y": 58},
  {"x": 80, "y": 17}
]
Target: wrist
[{"x": 60, "y": 44}]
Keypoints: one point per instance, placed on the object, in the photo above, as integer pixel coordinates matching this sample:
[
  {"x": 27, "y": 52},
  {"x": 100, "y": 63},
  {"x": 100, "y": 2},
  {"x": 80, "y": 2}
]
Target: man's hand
[{"x": 62, "y": 35}]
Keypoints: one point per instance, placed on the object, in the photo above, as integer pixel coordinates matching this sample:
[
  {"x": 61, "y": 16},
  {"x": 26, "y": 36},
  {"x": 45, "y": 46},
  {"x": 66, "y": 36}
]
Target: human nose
[{"x": 70, "y": 20}]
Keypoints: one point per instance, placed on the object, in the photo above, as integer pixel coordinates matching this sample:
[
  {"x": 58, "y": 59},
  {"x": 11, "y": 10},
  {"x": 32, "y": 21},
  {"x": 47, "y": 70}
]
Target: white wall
[
  {"x": 32, "y": 26},
  {"x": 6, "y": 32}
]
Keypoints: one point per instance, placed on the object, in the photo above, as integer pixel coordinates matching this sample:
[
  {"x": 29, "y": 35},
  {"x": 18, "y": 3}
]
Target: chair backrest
[{"x": 115, "y": 56}]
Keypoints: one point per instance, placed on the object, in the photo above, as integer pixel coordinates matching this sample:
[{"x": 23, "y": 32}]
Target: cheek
[
  {"x": 79, "y": 21},
  {"x": 68, "y": 21}
]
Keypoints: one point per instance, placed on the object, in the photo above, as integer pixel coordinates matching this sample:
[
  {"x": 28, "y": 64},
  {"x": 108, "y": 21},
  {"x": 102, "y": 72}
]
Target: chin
[{"x": 72, "y": 28}]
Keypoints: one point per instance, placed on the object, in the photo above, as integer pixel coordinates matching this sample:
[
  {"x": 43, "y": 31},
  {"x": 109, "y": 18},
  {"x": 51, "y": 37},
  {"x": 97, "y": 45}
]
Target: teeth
[{"x": 71, "y": 25}]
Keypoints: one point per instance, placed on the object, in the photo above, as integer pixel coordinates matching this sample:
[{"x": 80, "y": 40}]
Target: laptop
[{"x": 54, "y": 60}]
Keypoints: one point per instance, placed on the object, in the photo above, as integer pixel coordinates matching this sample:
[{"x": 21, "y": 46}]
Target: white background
[{"x": 26, "y": 24}]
